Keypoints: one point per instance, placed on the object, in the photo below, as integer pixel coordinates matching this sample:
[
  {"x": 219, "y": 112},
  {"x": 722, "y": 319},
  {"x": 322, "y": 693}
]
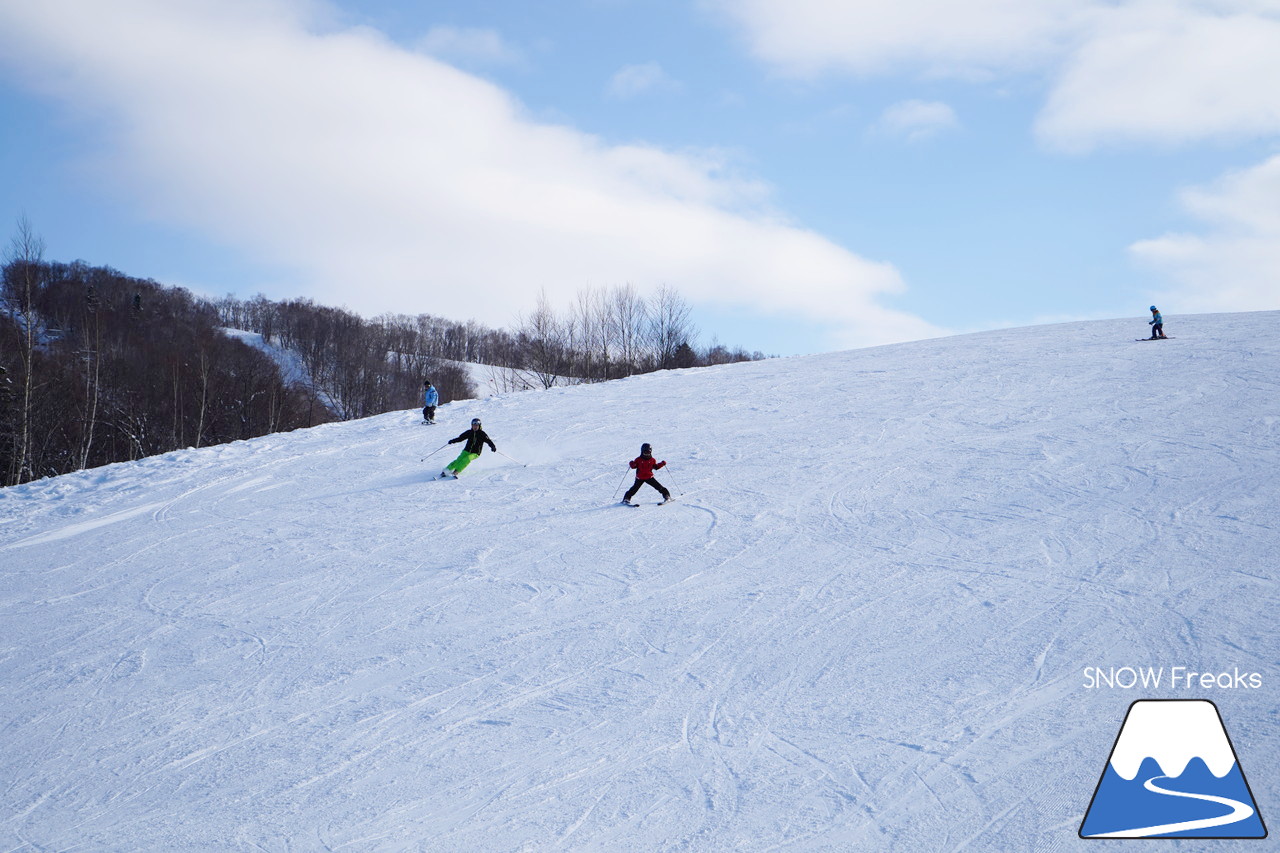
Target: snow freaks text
[{"x": 1171, "y": 678}]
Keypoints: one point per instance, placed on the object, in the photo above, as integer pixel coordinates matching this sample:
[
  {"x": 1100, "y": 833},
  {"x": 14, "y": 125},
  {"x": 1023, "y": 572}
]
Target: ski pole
[
  {"x": 517, "y": 461},
  {"x": 673, "y": 482},
  {"x": 434, "y": 452},
  {"x": 624, "y": 479}
]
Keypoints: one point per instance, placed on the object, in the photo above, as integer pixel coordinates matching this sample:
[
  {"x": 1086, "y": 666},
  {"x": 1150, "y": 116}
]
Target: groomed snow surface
[{"x": 863, "y": 624}]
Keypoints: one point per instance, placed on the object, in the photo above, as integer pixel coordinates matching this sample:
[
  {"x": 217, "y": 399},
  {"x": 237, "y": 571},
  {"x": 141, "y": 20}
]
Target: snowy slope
[
  {"x": 292, "y": 370},
  {"x": 488, "y": 380},
  {"x": 863, "y": 625}
]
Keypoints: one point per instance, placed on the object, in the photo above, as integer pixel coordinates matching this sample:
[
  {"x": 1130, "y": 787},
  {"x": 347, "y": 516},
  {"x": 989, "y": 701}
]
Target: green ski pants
[{"x": 464, "y": 459}]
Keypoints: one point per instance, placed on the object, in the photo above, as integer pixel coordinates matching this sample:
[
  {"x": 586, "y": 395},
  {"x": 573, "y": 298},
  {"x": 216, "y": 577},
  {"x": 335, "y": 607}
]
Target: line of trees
[
  {"x": 607, "y": 333},
  {"x": 613, "y": 332},
  {"x": 99, "y": 367}
]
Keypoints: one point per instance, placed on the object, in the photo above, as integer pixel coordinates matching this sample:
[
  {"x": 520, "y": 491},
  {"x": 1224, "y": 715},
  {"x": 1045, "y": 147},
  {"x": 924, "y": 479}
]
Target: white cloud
[
  {"x": 1117, "y": 71},
  {"x": 392, "y": 181},
  {"x": 469, "y": 44},
  {"x": 633, "y": 80},
  {"x": 916, "y": 121},
  {"x": 807, "y": 38},
  {"x": 1232, "y": 265},
  {"x": 1168, "y": 74}
]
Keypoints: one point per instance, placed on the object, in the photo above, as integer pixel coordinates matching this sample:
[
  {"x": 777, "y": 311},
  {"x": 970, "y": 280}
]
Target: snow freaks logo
[
  {"x": 1172, "y": 773},
  {"x": 1176, "y": 677}
]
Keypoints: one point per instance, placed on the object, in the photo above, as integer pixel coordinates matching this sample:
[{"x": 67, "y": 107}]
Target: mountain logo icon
[{"x": 1173, "y": 773}]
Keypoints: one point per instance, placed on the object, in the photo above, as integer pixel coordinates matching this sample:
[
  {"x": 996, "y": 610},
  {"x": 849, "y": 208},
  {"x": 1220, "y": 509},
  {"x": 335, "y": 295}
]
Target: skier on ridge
[
  {"x": 644, "y": 466},
  {"x": 475, "y": 439},
  {"x": 1157, "y": 324}
]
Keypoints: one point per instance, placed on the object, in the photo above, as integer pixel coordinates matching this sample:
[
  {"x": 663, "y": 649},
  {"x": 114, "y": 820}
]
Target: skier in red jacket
[{"x": 644, "y": 467}]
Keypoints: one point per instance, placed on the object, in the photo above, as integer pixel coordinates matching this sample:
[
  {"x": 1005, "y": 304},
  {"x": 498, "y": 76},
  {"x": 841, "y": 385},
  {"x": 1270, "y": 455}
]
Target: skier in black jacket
[{"x": 475, "y": 439}]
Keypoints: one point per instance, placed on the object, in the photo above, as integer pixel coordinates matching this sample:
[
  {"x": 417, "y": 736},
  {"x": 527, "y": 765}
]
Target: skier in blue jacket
[
  {"x": 431, "y": 399},
  {"x": 1156, "y": 323}
]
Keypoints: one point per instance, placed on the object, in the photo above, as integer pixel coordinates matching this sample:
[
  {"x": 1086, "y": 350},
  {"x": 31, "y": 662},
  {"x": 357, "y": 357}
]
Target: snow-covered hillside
[
  {"x": 292, "y": 369},
  {"x": 487, "y": 379},
  {"x": 864, "y": 624}
]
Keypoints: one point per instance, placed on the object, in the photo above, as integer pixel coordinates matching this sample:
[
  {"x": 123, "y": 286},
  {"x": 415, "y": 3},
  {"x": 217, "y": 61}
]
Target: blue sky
[{"x": 810, "y": 175}]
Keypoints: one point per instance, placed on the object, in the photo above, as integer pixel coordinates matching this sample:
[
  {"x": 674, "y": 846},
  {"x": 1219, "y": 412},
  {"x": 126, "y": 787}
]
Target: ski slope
[{"x": 863, "y": 624}]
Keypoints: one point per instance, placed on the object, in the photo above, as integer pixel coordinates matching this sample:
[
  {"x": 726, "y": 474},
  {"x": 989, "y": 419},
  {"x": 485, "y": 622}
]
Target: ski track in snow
[
  {"x": 862, "y": 625},
  {"x": 83, "y": 527}
]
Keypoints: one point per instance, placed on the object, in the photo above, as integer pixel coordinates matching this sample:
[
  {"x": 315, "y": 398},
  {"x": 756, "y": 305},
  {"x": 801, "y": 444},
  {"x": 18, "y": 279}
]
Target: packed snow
[{"x": 864, "y": 623}]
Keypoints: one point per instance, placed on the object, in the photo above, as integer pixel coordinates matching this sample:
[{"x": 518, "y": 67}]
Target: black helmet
[
  {"x": 645, "y": 449},
  {"x": 426, "y": 382},
  {"x": 475, "y": 422}
]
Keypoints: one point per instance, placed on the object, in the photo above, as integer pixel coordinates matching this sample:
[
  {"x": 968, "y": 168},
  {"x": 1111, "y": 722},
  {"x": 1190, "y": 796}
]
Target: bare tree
[
  {"x": 22, "y": 277},
  {"x": 669, "y": 326},
  {"x": 628, "y": 315},
  {"x": 92, "y": 333},
  {"x": 595, "y": 363},
  {"x": 544, "y": 339}
]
